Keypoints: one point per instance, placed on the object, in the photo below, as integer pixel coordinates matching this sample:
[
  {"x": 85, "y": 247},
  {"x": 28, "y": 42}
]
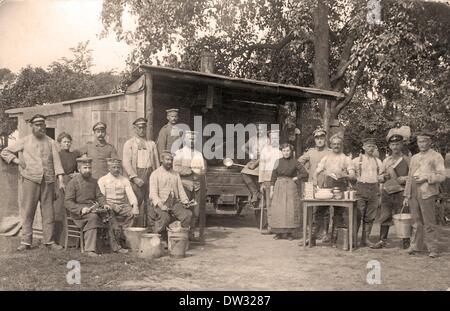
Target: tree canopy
[
  {"x": 66, "y": 79},
  {"x": 386, "y": 56}
]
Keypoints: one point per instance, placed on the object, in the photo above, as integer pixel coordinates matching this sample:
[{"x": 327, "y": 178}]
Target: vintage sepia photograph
[{"x": 209, "y": 145}]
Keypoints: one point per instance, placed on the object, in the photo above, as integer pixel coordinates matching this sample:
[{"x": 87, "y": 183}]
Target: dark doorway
[{"x": 50, "y": 132}]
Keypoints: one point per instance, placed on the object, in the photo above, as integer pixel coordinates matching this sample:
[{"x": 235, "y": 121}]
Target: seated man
[
  {"x": 83, "y": 199},
  {"x": 168, "y": 198},
  {"x": 119, "y": 196}
]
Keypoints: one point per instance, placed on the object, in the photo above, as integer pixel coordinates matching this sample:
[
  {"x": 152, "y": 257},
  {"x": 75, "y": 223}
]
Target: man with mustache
[
  {"x": 83, "y": 198},
  {"x": 99, "y": 151},
  {"x": 167, "y": 195},
  {"x": 394, "y": 172},
  {"x": 426, "y": 172},
  {"x": 140, "y": 159},
  {"x": 39, "y": 163},
  {"x": 169, "y": 133}
]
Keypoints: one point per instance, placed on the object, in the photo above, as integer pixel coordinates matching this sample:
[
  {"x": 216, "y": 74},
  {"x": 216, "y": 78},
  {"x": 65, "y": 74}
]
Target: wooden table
[{"x": 308, "y": 206}]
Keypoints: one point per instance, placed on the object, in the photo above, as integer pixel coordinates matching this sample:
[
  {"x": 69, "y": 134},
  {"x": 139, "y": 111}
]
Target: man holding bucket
[
  {"x": 393, "y": 175},
  {"x": 426, "y": 172}
]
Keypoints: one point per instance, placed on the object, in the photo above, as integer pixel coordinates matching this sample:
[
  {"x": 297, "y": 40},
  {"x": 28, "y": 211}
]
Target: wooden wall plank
[
  {"x": 140, "y": 104},
  {"x": 123, "y": 129}
]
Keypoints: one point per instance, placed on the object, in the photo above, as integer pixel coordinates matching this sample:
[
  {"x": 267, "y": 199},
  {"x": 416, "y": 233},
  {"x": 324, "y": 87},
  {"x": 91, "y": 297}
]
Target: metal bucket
[
  {"x": 402, "y": 224},
  {"x": 178, "y": 242},
  {"x": 150, "y": 246},
  {"x": 133, "y": 236}
]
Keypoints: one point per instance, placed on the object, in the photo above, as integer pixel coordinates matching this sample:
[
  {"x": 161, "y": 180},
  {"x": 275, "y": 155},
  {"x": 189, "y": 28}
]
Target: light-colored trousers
[{"x": 32, "y": 194}]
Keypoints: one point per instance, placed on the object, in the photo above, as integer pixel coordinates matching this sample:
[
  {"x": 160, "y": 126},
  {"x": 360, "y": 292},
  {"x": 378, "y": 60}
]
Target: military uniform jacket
[
  {"x": 167, "y": 136},
  {"x": 99, "y": 153}
]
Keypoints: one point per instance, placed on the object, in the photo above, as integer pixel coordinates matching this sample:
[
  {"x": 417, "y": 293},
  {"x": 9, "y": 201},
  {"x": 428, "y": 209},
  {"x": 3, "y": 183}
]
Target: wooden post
[
  {"x": 298, "y": 124},
  {"x": 149, "y": 111}
]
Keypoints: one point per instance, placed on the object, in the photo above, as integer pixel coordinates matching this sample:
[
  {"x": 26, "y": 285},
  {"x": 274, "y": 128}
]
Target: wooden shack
[
  {"x": 216, "y": 98},
  {"x": 77, "y": 117}
]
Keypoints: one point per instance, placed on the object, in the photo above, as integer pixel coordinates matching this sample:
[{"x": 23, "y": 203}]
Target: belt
[{"x": 367, "y": 183}]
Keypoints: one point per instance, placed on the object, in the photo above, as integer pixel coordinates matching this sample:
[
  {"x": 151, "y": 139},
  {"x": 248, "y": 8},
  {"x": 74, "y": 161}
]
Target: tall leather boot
[
  {"x": 384, "y": 231},
  {"x": 363, "y": 234},
  {"x": 367, "y": 235}
]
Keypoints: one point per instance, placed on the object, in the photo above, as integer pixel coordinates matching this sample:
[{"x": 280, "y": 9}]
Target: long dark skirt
[{"x": 285, "y": 206}]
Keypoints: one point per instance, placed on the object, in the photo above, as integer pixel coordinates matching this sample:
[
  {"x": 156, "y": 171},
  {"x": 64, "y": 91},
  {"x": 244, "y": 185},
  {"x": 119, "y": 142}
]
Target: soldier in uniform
[
  {"x": 140, "y": 159},
  {"x": 268, "y": 159},
  {"x": 84, "y": 201},
  {"x": 310, "y": 160},
  {"x": 169, "y": 133},
  {"x": 191, "y": 166},
  {"x": 168, "y": 199},
  {"x": 393, "y": 175},
  {"x": 250, "y": 173},
  {"x": 39, "y": 164},
  {"x": 426, "y": 172},
  {"x": 120, "y": 198},
  {"x": 99, "y": 151},
  {"x": 367, "y": 167}
]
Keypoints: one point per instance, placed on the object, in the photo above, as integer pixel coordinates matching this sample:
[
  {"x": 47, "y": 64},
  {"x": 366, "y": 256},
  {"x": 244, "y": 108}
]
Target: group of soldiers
[
  {"x": 383, "y": 188},
  {"x": 162, "y": 184}
]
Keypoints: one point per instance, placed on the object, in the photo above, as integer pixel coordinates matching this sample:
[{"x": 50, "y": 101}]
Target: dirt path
[{"x": 239, "y": 258}]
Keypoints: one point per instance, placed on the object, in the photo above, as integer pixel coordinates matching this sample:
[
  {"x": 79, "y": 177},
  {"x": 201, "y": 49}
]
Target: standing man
[
  {"x": 393, "y": 175},
  {"x": 169, "y": 133},
  {"x": 337, "y": 169},
  {"x": 250, "y": 173},
  {"x": 402, "y": 130},
  {"x": 426, "y": 172},
  {"x": 167, "y": 196},
  {"x": 99, "y": 151},
  {"x": 82, "y": 199},
  {"x": 191, "y": 166},
  {"x": 39, "y": 163},
  {"x": 269, "y": 156},
  {"x": 368, "y": 167},
  {"x": 310, "y": 160},
  {"x": 140, "y": 159}
]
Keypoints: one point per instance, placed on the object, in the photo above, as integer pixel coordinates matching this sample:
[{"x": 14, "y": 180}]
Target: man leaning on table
[{"x": 338, "y": 169}]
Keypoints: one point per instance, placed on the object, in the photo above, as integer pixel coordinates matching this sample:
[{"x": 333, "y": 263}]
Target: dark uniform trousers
[
  {"x": 391, "y": 204},
  {"x": 142, "y": 197},
  {"x": 423, "y": 212},
  {"x": 367, "y": 195},
  {"x": 89, "y": 223},
  {"x": 251, "y": 182}
]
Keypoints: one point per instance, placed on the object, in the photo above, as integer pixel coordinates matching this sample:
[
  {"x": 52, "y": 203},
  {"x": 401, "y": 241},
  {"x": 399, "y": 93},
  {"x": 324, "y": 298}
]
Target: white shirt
[
  {"x": 368, "y": 169},
  {"x": 269, "y": 156},
  {"x": 117, "y": 189}
]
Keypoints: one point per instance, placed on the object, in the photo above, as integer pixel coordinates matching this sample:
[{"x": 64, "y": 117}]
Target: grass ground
[{"x": 235, "y": 257}]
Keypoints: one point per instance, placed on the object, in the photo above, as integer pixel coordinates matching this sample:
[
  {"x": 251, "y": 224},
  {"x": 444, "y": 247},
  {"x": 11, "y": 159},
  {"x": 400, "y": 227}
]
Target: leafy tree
[
  {"x": 379, "y": 64},
  {"x": 66, "y": 79}
]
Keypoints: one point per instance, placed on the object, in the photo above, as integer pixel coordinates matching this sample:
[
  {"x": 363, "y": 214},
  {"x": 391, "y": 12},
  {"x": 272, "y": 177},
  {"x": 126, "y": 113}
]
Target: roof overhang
[{"x": 262, "y": 87}]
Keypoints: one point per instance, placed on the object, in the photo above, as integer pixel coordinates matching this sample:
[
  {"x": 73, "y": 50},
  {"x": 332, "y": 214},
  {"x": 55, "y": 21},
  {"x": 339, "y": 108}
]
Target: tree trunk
[{"x": 321, "y": 59}]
